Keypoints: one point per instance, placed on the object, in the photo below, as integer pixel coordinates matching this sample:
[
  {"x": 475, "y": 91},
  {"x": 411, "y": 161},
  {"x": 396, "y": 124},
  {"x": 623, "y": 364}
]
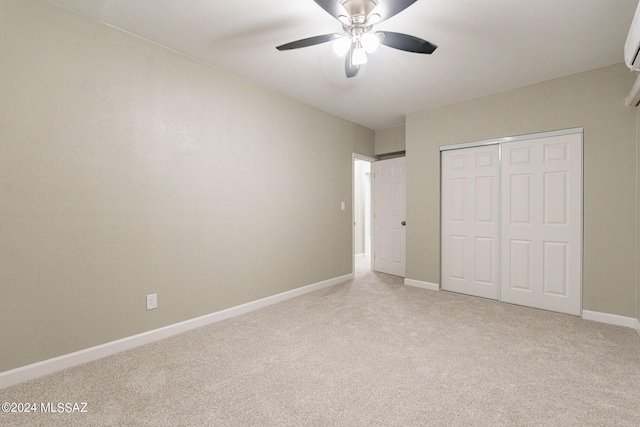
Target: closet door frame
[{"x": 499, "y": 142}]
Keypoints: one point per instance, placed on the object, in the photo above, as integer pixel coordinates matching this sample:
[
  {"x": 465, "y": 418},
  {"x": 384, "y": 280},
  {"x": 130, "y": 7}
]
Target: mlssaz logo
[{"x": 68, "y": 408}]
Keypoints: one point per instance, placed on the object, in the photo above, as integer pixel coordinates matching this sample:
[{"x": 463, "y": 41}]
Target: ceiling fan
[{"x": 358, "y": 37}]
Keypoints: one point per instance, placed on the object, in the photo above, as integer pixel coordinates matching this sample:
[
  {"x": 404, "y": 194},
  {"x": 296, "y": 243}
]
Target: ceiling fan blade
[
  {"x": 307, "y": 42},
  {"x": 349, "y": 68},
  {"x": 388, "y": 8},
  {"x": 405, "y": 42},
  {"x": 333, "y": 8}
]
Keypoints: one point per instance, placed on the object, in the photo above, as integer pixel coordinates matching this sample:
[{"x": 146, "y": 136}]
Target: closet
[{"x": 511, "y": 220}]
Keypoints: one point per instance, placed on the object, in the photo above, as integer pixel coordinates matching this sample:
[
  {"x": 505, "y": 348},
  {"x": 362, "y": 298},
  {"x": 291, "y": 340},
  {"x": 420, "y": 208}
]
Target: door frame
[
  {"x": 559, "y": 132},
  {"x": 372, "y": 160},
  {"x": 499, "y": 142}
]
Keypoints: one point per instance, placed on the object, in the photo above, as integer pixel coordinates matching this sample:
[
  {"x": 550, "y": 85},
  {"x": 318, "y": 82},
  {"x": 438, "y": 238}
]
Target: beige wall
[
  {"x": 391, "y": 140},
  {"x": 593, "y": 100},
  {"x": 126, "y": 169}
]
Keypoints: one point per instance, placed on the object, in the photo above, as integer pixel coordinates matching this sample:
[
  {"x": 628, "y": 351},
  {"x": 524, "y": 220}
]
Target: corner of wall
[
  {"x": 391, "y": 140},
  {"x": 637, "y": 221}
]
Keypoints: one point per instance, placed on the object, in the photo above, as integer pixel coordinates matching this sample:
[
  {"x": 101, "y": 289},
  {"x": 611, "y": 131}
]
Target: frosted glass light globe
[
  {"x": 342, "y": 45},
  {"x": 359, "y": 56},
  {"x": 370, "y": 42}
]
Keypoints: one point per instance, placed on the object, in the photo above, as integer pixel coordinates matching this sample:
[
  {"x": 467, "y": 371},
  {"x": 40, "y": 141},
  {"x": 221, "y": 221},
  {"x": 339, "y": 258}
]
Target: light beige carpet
[{"x": 371, "y": 352}]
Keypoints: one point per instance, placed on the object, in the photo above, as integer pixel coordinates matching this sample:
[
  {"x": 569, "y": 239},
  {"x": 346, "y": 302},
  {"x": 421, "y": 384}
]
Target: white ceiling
[{"x": 484, "y": 47}]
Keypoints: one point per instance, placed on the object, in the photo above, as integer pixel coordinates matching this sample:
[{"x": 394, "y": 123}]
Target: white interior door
[
  {"x": 471, "y": 221},
  {"x": 389, "y": 216},
  {"x": 542, "y": 223}
]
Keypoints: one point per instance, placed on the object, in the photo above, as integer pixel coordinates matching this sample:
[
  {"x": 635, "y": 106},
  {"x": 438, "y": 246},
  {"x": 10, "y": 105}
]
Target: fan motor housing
[{"x": 359, "y": 7}]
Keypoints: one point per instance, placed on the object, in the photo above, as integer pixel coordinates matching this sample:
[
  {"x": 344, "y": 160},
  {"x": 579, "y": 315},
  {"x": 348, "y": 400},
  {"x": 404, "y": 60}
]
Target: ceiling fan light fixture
[
  {"x": 358, "y": 39},
  {"x": 344, "y": 19},
  {"x": 373, "y": 19},
  {"x": 359, "y": 55},
  {"x": 370, "y": 42},
  {"x": 342, "y": 45}
]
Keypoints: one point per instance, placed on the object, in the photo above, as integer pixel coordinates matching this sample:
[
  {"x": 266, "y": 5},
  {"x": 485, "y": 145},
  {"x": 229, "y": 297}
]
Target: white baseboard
[
  {"x": 612, "y": 319},
  {"x": 46, "y": 367},
  {"x": 421, "y": 284}
]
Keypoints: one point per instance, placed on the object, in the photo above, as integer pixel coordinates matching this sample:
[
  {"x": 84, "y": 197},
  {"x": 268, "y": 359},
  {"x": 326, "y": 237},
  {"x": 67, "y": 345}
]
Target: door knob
[{"x": 404, "y": 223}]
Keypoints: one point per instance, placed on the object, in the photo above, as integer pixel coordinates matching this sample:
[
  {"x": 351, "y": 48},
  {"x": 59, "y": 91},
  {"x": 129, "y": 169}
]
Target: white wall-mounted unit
[
  {"x": 633, "y": 99},
  {"x": 632, "y": 46}
]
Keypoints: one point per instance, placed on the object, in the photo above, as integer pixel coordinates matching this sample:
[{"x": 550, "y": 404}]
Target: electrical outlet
[{"x": 152, "y": 301}]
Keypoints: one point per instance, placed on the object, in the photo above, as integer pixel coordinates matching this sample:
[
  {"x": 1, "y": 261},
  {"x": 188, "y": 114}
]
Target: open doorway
[{"x": 362, "y": 213}]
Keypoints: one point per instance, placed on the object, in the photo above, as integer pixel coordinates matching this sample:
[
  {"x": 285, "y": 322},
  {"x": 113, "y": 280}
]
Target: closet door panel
[
  {"x": 471, "y": 221},
  {"x": 542, "y": 223}
]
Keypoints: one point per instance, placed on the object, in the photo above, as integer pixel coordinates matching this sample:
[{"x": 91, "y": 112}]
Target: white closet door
[
  {"x": 471, "y": 221},
  {"x": 542, "y": 223}
]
